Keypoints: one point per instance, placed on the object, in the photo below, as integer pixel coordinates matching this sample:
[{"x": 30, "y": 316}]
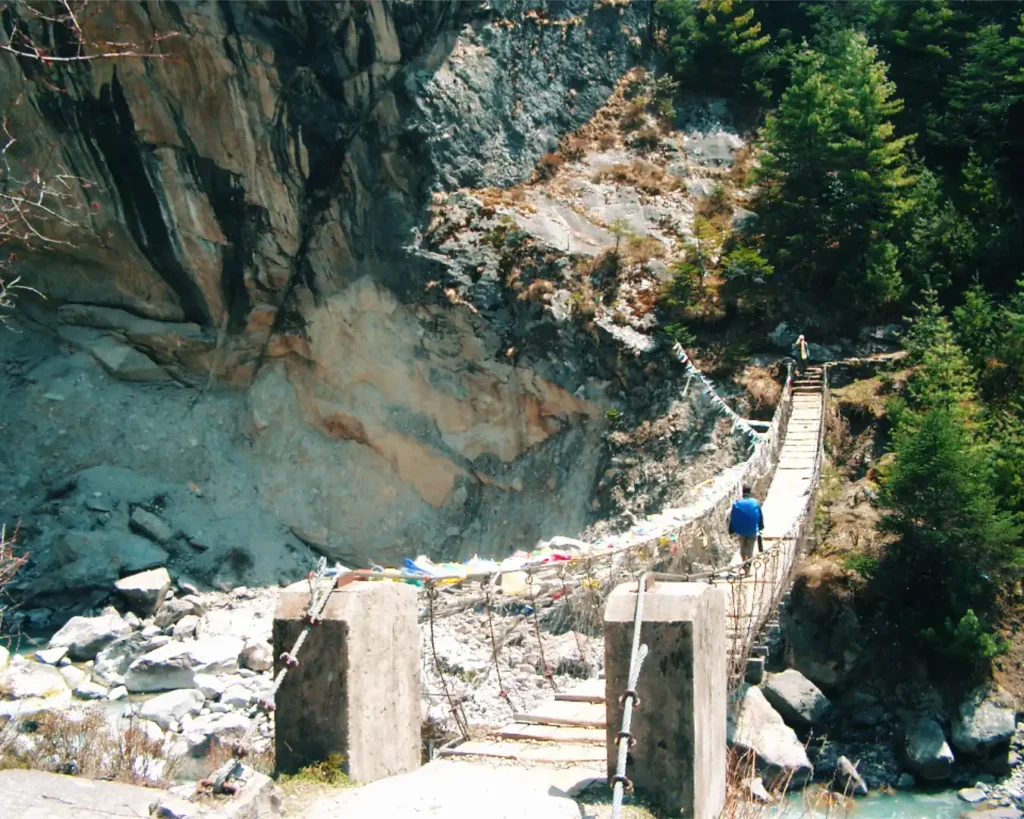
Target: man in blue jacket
[{"x": 747, "y": 522}]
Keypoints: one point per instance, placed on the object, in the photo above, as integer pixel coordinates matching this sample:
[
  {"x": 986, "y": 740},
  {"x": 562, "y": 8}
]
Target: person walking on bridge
[
  {"x": 801, "y": 354},
  {"x": 746, "y": 521}
]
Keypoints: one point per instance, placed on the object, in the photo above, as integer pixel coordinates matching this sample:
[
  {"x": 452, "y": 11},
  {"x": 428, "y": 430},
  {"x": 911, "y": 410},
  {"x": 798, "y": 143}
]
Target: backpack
[{"x": 745, "y": 518}]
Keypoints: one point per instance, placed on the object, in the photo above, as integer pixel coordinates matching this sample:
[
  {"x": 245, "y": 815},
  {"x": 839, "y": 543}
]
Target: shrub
[
  {"x": 862, "y": 564},
  {"x": 679, "y": 334},
  {"x": 85, "y": 743},
  {"x": 718, "y": 202},
  {"x": 970, "y": 642},
  {"x": 644, "y": 176},
  {"x": 647, "y": 140},
  {"x": 746, "y": 263},
  {"x": 548, "y": 165},
  {"x": 635, "y": 114},
  {"x": 573, "y": 148}
]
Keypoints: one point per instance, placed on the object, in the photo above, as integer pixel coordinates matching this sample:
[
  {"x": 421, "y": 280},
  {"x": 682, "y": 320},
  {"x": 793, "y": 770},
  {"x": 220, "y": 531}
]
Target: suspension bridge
[{"x": 572, "y": 727}]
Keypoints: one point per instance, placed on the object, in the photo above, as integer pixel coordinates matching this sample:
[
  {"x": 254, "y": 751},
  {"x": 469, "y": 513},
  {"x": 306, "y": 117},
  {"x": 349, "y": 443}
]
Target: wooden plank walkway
[{"x": 571, "y": 728}]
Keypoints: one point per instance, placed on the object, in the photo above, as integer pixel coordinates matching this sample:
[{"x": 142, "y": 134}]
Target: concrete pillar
[
  {"x": 678, "y": 761},
  {"x": 356, "y": 689}
]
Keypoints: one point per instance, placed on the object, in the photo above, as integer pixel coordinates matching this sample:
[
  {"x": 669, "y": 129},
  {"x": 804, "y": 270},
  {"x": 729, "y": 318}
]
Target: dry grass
[
  {"x": 644, "y": 176},
  {"x": 84, "y": 743},
  {"x": 547, "y": 166},
  {"x": 763, "y": 389},
  {"x": 742, "y": 166},
  {"x": 539, "y": 290}
]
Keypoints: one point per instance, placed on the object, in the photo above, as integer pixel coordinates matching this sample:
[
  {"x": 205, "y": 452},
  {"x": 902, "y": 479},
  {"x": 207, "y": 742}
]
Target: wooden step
[
  {"x": 529, "y": 752},
  {"x": 552, "y": 733},
  {"x": 590, "y": 691},
  {"x": 575, "y": 714}
]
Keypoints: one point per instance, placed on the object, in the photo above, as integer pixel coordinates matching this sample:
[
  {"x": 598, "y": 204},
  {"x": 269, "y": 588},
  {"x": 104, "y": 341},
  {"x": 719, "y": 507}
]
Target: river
[{"x": 900, "y": 805}]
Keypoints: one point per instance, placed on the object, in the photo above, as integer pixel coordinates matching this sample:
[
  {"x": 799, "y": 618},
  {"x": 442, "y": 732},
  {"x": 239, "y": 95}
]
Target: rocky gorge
[{"x": 368, "y": 281}]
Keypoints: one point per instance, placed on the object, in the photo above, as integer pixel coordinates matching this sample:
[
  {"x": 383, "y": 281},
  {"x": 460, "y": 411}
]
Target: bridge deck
[{"x": 572, "y": 727}]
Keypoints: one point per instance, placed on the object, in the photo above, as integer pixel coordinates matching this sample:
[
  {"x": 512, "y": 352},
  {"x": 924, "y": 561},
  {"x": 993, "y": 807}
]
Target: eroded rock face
[{"x": 255, "y": 203}]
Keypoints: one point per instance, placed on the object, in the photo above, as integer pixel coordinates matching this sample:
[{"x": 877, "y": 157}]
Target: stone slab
[
  {"x": 580, "y": 714},
  {"x": 590, "y": 691},
  {"x": 40, "y": 795},
  {"x": 553, "y": 753},
  {"x": 551, "y": 733}
]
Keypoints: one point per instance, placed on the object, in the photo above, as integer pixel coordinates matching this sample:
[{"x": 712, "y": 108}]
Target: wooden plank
[
  {"x": 528, "y": 752},
  {"x": 579, "y": 714},
  {"x": 589, "y": 691},
  {"x": 552, "y": 733}
]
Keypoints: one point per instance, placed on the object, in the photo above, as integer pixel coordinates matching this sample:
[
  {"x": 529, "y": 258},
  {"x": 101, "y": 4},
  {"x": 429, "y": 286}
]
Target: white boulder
[
  {"x": 88, "y": 690},
  {"x": 22, "y": 680},
  {"x": 145, "y": 592},
  {"x": 257, "y": 656},
  {"x": 755, "y": 727},
  {"x": 84, "y": 637},
  {"x": 799, "y": 702},
  {"x": 163, "y": 669},
  {"x": 173, "y": 706}
]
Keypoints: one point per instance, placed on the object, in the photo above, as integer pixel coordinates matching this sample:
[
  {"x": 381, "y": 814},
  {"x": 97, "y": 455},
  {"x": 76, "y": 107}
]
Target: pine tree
[
  {"x": 717, "y": 45},
  {"x": 982, "y": 93},
  {"x": 834, "y": 174},
  {"x": 951, "y": 541},
  {"x": 943, "y": 377}
]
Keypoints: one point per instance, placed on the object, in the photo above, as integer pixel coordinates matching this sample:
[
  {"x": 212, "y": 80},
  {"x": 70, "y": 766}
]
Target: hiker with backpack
[{"x": 746, "y": 521}]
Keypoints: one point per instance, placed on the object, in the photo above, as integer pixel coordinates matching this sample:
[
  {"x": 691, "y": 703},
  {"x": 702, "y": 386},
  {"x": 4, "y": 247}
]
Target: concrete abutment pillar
[
  {"x": 356, "y": 689},
  {"x": 679, "y": 760}
]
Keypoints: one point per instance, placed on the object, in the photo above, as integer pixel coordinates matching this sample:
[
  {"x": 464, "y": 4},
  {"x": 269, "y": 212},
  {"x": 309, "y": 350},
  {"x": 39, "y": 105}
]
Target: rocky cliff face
[{"x": 251, "y": 246}]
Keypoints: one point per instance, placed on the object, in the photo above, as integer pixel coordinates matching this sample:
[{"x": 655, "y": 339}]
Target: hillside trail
[{"x": 535, "y": 765}]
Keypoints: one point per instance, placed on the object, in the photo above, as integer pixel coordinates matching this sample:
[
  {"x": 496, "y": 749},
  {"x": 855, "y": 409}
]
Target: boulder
[
  {"x": 783, "y": 336},
  {"x": 799, "y": 701},
  {"x": 73, "y": 675},
  {"x": 205, "y": 733},
  {"x": 24, "y": 679},
  {"x": 173, "y": 706},
  {"x": 985, "y": 721},
  {"x": 185, "y": 628},
  {"x": 88, "y": 690},
  {"x": 176, "y": 608},
  {"x": 51, "y": 656},
  {"x": 162, "y": 669},
  {"x": 257, "y": 655},
  {"x": 237, "y": 696},
  {"x": 215, "y": 655},
  {"x": 116, "y": 693},
  {"x": 972, "y": 796},
  {"x": 112, "y": 663},
  {"x": 755, "y": 727},
  {"x": 152, "y": 526},
  {"x": 928, "y": 754},
  {"x": 847, "y": 780},
  {"x": 95, "y": 560},
  {"x": 211, "y": 685},
  {"x": 145, "y": 591},
  {"x": 757, "y": 791},
  {"x": 84, "y": 637}
]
